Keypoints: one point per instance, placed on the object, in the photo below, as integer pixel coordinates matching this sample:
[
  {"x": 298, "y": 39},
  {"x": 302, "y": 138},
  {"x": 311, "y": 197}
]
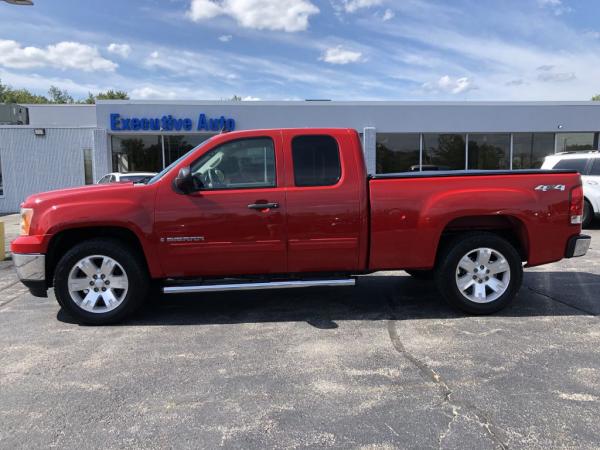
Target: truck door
[
  {"x": 234, "y": 223},
  {"x": 323, "y": 203}
]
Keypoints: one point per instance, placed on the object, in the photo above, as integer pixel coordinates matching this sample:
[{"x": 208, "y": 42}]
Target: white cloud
[
  {"x": 351, "y": 6},
  {"x": 285, "y": 15},
  {"x": 388, "y": 15},
  {"x": 339, "y": 55},
  {"x": 225, "y": 38},
  {"x": 249, "y": 98},
  {"x": 560, "y": 77},
  {"x": 123, "y": 50},
  {"x": 153, "y": 93},
  {"x": 450, "y": 85},
  {"x": 556, "y": 6},
  {"x": 64, "y": 55}
]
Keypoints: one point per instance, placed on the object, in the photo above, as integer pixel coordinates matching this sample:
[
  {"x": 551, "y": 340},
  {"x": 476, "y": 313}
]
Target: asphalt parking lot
[{"x": 384, "y": 365}]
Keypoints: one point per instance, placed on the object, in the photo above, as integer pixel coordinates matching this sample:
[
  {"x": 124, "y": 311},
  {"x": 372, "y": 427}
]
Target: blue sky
[{"x": 298, "y": 49}]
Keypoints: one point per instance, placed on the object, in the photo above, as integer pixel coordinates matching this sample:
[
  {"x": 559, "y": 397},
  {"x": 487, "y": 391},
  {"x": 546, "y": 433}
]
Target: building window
[
  {"x": 575, "y": 142},
  {"x": 530, "y": 149},
  {"x": 443, "y": 152},
  {"x": 88, "y": 168},
  {"x": 316, "y": 160},
  {"x": 136, "y": 153},
  {"x": 397, "y": 152},
  {"x": 489, "y": 151},
  {"x": 178, "y": 145}
]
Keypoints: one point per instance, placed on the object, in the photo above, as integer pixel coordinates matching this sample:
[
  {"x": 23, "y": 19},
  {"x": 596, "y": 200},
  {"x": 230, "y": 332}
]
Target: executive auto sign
[{"x": 170, "y": 123}]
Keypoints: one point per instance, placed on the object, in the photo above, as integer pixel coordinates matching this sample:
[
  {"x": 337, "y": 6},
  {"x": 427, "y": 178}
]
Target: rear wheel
[
  {"x": 100, "y": 281},
  {"x": 588, "y": 214},
  {"x": 479, "y": 273}
]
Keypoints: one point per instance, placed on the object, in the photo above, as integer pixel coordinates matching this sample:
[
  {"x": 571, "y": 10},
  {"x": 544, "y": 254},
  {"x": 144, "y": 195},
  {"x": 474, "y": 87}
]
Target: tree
[
  {"x": 55, "y": 95},
  {"x": 108, "y": 95},
  {"x": 59, "y": 95},
  {"x": 596, "y": 98},
  {"x": 10, "y": 95}
]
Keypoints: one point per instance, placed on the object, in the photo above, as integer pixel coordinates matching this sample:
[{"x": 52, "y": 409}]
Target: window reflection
[
  {"x": 489, "y": 151},
  {"x": 529, "y": 149},
  {"x": 443, "y": 152},
  {"x": 397, "y": 152}
]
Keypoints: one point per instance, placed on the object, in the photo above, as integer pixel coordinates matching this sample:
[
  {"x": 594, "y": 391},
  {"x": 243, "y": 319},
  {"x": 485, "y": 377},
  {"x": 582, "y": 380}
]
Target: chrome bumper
[
  {"x": 30, "y": 266},
  {"x": 578, "y": 246}
]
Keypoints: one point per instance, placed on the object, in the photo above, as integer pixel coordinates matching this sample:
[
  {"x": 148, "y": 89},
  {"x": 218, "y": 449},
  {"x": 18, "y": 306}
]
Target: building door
[{"x": 235, "y": 223}]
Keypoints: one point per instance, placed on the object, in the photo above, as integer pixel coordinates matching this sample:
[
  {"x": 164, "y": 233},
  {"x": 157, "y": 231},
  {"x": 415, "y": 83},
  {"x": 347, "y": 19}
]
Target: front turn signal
[{"x": 26, "y": 216}]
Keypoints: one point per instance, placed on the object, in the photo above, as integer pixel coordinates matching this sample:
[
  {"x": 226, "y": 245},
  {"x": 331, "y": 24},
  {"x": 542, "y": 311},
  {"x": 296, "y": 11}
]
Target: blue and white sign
[{"x": 170, "y": 123}]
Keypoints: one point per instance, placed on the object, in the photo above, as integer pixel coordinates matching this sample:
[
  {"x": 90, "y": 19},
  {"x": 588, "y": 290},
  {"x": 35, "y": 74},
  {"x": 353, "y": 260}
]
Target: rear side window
[
  {"x": 572, "y": 164},
  {"x": 596, "y": 167},
  {"x": 316, "y": 161}
]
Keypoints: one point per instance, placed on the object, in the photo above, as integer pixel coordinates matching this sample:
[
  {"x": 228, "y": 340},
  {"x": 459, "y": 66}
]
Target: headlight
[{"x": 26, "y": 216}]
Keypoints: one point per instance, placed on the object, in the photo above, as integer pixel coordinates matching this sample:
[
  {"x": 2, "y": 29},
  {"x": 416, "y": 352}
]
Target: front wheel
[
  {"x": 479, "y": 273},
  {"x": 100, "y": 281}
]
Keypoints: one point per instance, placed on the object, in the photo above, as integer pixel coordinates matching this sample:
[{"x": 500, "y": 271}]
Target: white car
[
  {"x": 135, "y": 177},
  {"x": 588, "y": 165}
]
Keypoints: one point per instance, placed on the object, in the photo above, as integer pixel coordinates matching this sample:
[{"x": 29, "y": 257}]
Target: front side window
[
  {"x": 577, "y": 164},
  {"x": 105, "y": 179},
  {"x": 316, "y": 160},
  {"x": 240, "y": 164}
]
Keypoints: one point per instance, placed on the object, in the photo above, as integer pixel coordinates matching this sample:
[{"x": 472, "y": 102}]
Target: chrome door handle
[{"x": 263, "y": 205}]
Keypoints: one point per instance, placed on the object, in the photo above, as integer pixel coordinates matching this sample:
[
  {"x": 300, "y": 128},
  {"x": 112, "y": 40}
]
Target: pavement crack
[
  {"x": 457, "y": 409},
  {"x": 543, "y": 294}
]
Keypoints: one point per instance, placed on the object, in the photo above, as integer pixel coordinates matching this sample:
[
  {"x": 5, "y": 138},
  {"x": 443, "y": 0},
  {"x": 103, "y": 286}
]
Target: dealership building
[{"x": 56, "y": 146}]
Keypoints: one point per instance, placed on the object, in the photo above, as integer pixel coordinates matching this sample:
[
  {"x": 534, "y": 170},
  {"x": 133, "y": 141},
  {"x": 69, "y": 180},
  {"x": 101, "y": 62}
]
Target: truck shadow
[{"x": 375, "y": 297}]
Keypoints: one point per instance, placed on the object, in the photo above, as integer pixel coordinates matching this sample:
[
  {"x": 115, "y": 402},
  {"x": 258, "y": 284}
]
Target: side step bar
[{"x": 255, "y": 286}]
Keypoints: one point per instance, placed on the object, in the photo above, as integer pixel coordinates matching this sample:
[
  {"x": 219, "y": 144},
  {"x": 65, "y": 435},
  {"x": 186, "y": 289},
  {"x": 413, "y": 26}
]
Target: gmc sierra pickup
[{"x": 294, "y": 208}]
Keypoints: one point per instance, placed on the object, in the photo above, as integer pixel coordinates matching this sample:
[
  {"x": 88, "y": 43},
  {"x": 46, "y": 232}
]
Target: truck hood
[{"x": 90, "y": 192}]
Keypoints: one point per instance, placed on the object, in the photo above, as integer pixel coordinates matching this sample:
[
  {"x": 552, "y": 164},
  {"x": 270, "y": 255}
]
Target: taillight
[{"x": 576, "y": 205}]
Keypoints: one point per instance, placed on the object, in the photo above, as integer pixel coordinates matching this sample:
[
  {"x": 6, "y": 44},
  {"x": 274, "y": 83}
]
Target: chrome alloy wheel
[
  {"x": 98, "y": 284},
  {"x": 483, "y": 275}
]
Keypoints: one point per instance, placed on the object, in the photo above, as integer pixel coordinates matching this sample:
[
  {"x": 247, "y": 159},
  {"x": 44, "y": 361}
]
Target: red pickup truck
[{"x": 293, "y": 208}]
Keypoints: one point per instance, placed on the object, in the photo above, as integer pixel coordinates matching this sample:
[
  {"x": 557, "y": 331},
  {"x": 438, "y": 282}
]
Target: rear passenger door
[{"x": 323, "y": 203}]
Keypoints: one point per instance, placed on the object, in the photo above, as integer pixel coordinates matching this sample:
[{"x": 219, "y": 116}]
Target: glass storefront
[
  {"x": 575, "y": 142},
  {"x": 397, "y": 152},
  {"x": 145, "y": 153},
  {"x": 489, "y": 151},
  {"x": 529, "y": 149},
  {"x": 443, "y": 152}
]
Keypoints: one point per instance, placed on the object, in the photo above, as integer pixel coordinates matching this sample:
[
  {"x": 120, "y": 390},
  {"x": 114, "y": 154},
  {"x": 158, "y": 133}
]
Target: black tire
[
  {"x": 420, "y": 274},
  {"x": 588, "y": 214},
  {"x": 132, "y": 265},
  {"x": 448, "y": 268}
]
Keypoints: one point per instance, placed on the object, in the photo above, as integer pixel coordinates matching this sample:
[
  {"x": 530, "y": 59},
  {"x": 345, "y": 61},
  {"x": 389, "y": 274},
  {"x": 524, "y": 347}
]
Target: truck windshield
[{"x": 163, "y": 172}]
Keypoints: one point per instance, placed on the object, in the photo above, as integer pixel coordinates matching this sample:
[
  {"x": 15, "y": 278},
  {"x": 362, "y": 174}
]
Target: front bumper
[
  {"x": 31, "y": 270},
  {"x": 578, "y": 246}
]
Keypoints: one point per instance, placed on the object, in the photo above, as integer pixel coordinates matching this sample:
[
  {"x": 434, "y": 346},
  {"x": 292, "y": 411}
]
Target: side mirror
[{"x": 184, "y": 181}]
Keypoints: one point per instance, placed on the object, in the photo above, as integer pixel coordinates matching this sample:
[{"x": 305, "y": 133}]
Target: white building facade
[{"x": 72, "y": 145}]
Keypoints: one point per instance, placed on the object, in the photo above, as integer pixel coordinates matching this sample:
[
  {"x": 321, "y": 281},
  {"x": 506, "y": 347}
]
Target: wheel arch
[
  {"x": 62, "y": 241},
  {"x": 509, "y": 227}
]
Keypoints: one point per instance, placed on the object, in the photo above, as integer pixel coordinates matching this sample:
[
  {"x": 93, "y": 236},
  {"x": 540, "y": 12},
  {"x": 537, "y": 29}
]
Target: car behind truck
[{"x": 293, "y": 208}]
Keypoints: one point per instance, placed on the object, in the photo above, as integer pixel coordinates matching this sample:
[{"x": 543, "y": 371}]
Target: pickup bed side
[{"x": 411, "y": 214}]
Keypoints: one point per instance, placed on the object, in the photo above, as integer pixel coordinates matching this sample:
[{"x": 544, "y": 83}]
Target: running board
[{"x": 255, "y": 286}]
